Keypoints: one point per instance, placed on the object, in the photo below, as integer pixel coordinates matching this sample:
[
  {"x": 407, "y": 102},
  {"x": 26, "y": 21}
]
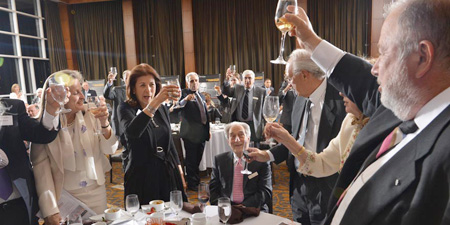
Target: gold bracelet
[{"x": 297, "y": 155}]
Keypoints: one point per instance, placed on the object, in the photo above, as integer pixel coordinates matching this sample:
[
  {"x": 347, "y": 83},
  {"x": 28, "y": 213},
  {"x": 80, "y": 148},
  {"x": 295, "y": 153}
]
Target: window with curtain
[
  {"x": 159, "y": 35},
  {"x": 238, "y": 32},
  {"x": 344, "y": 23},
  {"x": 99, "y": 36}
]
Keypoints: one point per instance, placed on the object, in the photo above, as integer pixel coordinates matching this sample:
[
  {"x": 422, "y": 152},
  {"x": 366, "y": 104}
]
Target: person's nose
[{"x": 375, "y": 68}]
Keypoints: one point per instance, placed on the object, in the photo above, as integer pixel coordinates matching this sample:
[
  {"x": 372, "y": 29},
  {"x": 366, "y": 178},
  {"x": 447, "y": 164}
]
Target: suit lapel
[
  {"x": 327, "y": 119},
  {"x": 228, "y": 168},
  {"x": 393, "y": 178},
  {"x": 297, "y": 115}
]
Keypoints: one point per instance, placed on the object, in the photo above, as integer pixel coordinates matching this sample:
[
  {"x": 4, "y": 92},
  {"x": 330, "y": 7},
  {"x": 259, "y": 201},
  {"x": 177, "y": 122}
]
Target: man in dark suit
[
  {"x": 194, "y": 128},
  {"x": 18, "y": 199},
  {"x": 318, "y": 114},
  {"x": 286, "y": 96},
  {"x": 254, "y": 190},
  {"x": 87, "y": 92},
  {"x": 248, "y": 103},
  {"x": 117, "y": 95},
  {"x": 268, "y": 86},
  {"x": 406, "y": 183}
]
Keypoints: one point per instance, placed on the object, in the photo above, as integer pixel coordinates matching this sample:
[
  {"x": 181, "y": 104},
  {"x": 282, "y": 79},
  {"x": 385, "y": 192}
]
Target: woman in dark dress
[{"x": 154, "y": 168}]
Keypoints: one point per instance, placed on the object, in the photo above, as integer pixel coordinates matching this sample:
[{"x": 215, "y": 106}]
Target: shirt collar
[
  {"x": 432, "y": 109},
  {"x": 236, "y": 158},
  {"x": 318, "y": 94}
]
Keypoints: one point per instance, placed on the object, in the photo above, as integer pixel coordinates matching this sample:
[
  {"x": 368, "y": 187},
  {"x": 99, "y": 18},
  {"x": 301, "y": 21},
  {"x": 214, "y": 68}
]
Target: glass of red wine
[{"x": 203, "y": 194}]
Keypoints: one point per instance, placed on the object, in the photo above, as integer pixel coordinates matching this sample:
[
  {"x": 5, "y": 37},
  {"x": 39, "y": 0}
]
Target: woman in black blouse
[{"x": 154, "y": 168}]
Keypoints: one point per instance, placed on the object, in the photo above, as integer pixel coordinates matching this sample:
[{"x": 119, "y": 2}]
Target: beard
[{"x": 399, "y": 93}]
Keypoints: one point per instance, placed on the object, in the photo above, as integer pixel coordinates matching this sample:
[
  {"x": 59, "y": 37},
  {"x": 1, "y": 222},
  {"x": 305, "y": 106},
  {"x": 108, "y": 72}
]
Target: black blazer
[
  {"x": 287, "y": 101},
  {"x": 11, "y": 141},
  {"x": 333, "y": 112},
  {"x": 257, "y": 191},
  {"x": 192, "y": 128},
  {"x": 420, "y": 169},
  {"x": 117, "y": 95}
]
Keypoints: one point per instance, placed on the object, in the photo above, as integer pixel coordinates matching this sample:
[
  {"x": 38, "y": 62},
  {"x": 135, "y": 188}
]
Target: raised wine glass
[
  {"x": 58, "y": 84},
  {"x": 176, "y": 202},
  {"x": 203, "y": 194},
  {"x": 224, "y": 207},
  {"x": 93, "y": 103},
  {"x": 271, "y": 109},
  {"x": 113, "y": 70},
  {"x": 132, "y": 204},
  {"x": 283, "y": 25},
  {"x": 245, "y": 153},
  {"x": 176, "y": 83}
]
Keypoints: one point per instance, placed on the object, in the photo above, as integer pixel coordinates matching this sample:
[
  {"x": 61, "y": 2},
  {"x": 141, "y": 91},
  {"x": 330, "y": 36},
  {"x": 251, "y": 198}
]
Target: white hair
[
  {"x": 235, "y": 123},
  {"x": 248, "y": 72},
  {"x": 300, "y": 60},
  {"x": 423, "y": 20},
  {"x": 37, "y": 91},
  {"x": 188, "y": 76}
]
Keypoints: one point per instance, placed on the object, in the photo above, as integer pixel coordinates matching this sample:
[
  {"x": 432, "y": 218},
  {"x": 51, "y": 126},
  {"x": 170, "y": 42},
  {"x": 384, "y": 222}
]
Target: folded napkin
[
  {"x": 192, "y": 208},
  {"x": 240, "y": 212}
]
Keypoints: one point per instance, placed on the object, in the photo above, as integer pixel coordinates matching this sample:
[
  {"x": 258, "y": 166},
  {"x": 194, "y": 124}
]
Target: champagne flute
[
  {"x": 113, "y": 70},
  {"x": 93, "y": 103},
  {"x": 203, "y": 194},
  {"x": 283, "y": 25},
  {"x": 271, "y": 109},
  {"x": 132, "y": 204},
  {"x": 224, "y": 207},
  {"x": 245, "y": 153},
  {"x": 176, "y": 202}
]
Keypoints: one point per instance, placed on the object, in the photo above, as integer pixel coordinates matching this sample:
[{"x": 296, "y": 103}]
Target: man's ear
[{"x": 426, "y": 56}]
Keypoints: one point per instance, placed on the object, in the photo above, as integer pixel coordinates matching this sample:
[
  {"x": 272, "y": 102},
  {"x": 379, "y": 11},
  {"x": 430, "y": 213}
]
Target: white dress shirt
[{"x": 327, "y": 56}]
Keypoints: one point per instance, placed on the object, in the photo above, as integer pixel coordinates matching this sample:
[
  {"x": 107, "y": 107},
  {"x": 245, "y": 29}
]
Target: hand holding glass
[
  {"x": 283, "y": 25},
  {"x": 245, "y": 152},
  {"x": 57, "y": 84},
  {"x": 94, "y": 104},
  {"x": 113, "y": 71}
]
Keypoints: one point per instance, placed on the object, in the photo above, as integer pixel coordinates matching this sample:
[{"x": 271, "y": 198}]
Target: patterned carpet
[{"x": 281, "y": 205}]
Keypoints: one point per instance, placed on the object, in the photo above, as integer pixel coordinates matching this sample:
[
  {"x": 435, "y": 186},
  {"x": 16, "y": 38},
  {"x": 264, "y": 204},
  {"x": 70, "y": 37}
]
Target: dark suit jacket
[
  {"x": 421, "y": 167},
  {"x": 287, "y": 101},
  {"x": 333, "y": 113},
  {"x": 238, "y": 92},
  {"x": 117, "y": 95},
  {"x": 11, "y": 141},
  {"x": 257, "y": 191},
  {"x": 225, "y": 105},
  {"x": 271, "y": 90},
  {"x": 192, "y": 128}
]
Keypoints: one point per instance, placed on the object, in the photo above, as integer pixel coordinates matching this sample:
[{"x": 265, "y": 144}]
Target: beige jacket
[{"x": 49, "y": 161}]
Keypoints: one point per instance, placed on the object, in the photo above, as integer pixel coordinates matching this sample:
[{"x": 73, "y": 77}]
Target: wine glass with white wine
[
  {"x": 283, "y": 25},
  {"x": 271, "y": 110}
]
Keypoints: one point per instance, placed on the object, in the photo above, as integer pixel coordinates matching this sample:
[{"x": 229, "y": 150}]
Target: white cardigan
[
  {"x": 332, "y": 158},
  {"x": 48, "y": 161}
]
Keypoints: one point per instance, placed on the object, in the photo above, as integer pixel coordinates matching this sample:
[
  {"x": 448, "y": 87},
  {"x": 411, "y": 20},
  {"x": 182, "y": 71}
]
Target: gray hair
[
  {"x": 423, "y": 20},
  {"x": 248, "y": 72},
  {"x": 188, "y": 76},
  {"x": 300, "y": 60},
  {"x": 235, "y": 123}
]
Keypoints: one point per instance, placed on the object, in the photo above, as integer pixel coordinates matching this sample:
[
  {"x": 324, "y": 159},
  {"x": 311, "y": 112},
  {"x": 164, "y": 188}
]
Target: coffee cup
[
  {"x": 156, "y": 206},
  {"x": 198, "y": 219},
  {"x": 112, "y": 214}
]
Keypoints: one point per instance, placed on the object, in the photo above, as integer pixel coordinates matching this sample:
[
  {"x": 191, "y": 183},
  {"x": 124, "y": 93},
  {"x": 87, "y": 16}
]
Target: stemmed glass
[
  {"x": 176, "y": 202},
  {"x": 271, "y": 109},
  {"x": 113, "y": 70},
  {"x": 245, "y": 153},
  {"x": 57, "y": 84},
  {"x": 203, "y": 194},
  {"x": 283, "y": 25},
  {"x": 93, "y": 104},
  {"x": 132, "y": 204},
  {"x": 74, "y": 220},
  {"x": 224, "y": 206},
  {"x": 176, "y": 83}
]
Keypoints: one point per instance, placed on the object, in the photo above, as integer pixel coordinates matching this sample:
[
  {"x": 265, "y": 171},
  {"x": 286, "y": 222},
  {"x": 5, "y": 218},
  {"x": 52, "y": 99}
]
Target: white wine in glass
[
  {"x": 283, "y": 25},
  {"x": 271, "y": 109}
]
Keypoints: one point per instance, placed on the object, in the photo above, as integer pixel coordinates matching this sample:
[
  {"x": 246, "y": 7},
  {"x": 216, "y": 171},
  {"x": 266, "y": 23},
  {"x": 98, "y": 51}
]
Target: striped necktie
[
  {"x": 238, "y": 181},
  {"x": 245, "y": 105}
]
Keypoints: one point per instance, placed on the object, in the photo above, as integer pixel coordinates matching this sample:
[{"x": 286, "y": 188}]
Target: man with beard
[{"x": 382, "y": 181}]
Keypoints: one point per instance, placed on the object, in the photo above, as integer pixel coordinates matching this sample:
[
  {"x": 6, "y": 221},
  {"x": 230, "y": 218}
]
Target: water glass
[
  {"x": 132, "y": 203},
  {"x": 224, "y": 207},
  {"x": 176, "y": 201}
]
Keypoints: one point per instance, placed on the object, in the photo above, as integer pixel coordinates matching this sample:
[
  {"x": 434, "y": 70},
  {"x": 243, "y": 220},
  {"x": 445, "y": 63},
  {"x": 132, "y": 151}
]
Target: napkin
[
  {"x": 192, "y": 208},
  {"x": 240, "y": 212}
]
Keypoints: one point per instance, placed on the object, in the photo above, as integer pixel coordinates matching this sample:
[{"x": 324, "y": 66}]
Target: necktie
[
  {"x": 245, "y": 106},
  {"x": 389, "y": 143},
  {"x": 201, "y": 107},
  {"x": 238, "y": 181},
  {"x": 5, "y": 184}
]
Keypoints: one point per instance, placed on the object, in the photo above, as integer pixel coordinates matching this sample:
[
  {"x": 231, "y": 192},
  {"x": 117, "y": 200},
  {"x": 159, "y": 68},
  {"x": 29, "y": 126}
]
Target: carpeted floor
[{"x": 281, "y": 206}]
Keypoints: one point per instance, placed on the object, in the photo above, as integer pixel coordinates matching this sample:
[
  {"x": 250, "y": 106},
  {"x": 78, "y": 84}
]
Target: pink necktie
[{"x": 238, "y": 180}]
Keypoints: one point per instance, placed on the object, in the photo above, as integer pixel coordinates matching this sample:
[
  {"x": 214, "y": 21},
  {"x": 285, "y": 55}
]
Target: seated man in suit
[
  {"x": 248, "y": 104},
  {"x": 254, "y": 190},
  {"x": 87, "y": 92}
]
